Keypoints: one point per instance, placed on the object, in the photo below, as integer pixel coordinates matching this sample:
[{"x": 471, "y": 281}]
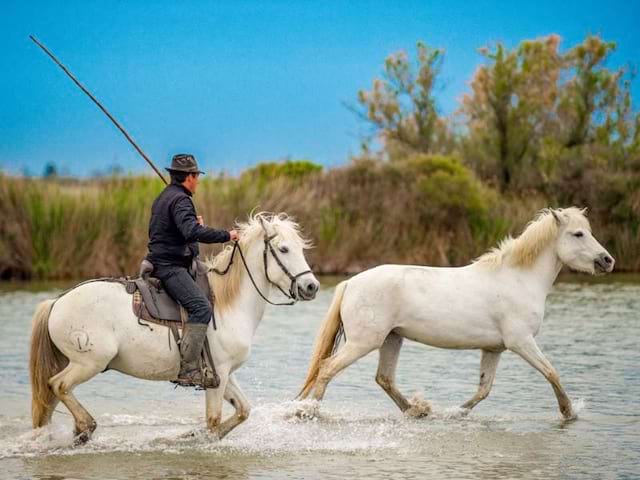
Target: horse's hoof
[
  {"x": 302, "y": 414},
  {"x": 570, "y": 416},
  {"x": 308, "y": 410},
  {"x": 189, "y": 434},
  {"x": 419, "y": 407},
  {"x": 417, "y": 412},
  {"x": 81, "y": 438},
  {"x": 463, "y": 412}
]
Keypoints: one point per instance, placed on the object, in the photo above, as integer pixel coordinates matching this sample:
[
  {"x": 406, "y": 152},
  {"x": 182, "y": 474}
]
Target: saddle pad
[
  {"x": 141, "y": 311},
  {"x": 159, "y": 304}
]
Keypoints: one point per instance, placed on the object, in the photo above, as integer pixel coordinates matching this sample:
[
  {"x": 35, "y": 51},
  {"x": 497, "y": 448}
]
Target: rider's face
[{"x": 191, "y": 182}]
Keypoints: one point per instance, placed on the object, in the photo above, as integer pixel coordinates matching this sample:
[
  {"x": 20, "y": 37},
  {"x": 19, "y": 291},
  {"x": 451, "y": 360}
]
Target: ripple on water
[{"x": 150, "y": 430}]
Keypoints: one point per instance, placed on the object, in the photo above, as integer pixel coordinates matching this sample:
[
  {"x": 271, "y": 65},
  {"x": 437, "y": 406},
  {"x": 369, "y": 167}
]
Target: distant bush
[
  {"x": 290, "y": 169},
  {"x": 448, "y": 191}
]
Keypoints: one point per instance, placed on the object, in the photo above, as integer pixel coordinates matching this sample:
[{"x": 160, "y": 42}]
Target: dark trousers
[{"x": 183, "y": 289}]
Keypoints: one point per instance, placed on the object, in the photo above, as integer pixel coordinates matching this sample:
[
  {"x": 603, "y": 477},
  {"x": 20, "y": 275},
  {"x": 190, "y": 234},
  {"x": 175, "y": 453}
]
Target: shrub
[{"x": 448, "y": 192}]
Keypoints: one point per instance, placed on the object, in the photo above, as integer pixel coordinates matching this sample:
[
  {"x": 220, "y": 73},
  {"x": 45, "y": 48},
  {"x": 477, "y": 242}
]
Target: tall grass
[{"x": 427, "y": 211}]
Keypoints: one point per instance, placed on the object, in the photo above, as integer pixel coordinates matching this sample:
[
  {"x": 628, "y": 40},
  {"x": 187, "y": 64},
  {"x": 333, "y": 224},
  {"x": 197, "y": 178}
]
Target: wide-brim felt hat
[{"x": 184, "y": 163}]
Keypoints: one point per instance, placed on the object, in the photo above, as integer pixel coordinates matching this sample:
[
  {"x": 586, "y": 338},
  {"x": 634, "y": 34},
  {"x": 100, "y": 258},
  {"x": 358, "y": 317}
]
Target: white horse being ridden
[
  {"x": 494, "y": 304},
  {"x": 92, "y": 328}
]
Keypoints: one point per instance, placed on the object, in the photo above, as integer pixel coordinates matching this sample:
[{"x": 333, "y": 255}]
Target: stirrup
[
  {"x": 200, "y": 379},
  {"x": 211, "y": 378},
  {"x": 189, "y": 380}
]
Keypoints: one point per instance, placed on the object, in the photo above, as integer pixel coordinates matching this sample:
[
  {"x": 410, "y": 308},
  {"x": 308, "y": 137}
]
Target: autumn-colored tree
[
  {"x": 511, "y": 107},
  {"x": 401, "y": 106}
]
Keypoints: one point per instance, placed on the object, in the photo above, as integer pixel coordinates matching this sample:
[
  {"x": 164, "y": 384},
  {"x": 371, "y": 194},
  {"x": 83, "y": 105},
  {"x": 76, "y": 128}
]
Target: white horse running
[
  {"x": 92, "y": 328},
  {"x": 496, "y": 303}
]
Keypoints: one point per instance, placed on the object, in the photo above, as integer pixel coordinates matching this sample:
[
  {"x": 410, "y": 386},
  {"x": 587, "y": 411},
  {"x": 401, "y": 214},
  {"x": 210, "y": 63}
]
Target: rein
[{"x": 267, "y": 246}]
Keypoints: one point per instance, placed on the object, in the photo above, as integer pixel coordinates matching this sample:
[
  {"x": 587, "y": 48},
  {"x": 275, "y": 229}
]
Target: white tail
[
  {"x": 325, "y": 340},
  {"x": 45, "y": 360}
]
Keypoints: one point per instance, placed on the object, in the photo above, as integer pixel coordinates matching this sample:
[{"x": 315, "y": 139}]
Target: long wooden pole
[{"x": 113, "y": 120}]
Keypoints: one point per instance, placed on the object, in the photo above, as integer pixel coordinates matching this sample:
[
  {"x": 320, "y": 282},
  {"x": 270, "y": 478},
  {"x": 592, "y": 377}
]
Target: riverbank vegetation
[{"x": 539, "y": 127}]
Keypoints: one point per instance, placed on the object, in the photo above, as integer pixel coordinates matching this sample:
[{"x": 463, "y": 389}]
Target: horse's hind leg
[
  {"x": 330, "y": 367},
  {"x": 62, "y": 385},
  {"x": 386, "y": 377},
  {"x": 488, "y": 367}
]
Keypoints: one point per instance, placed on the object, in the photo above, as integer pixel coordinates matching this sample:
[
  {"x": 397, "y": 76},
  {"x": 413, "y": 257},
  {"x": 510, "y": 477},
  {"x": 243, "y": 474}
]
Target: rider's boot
[{"x": 191, "y": 372}]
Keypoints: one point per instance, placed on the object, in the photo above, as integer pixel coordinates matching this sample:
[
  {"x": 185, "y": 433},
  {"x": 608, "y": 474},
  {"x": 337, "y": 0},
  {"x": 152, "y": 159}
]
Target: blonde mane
[
  {"x": 226, "y": 287},
  {"x": 523, "y": 250}
]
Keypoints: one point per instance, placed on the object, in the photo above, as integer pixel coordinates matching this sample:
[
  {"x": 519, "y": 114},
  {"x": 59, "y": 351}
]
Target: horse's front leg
[
  {"x": 238, "y": 400},
  {"x": 214, "y": 399},
  {"x": 528, "y": 349}
]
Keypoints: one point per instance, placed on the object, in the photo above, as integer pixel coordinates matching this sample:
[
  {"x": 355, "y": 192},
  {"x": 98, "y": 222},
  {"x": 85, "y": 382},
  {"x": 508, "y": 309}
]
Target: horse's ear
[
  {"x": 266, "y": 226},
  {"x": 556, "y": 216}
]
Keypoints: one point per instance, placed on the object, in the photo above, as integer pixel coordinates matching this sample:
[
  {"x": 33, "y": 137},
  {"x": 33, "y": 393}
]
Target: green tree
[
  {"x": 50, "y": 170},
  {"x": 510, "y": 108},
  {"x": 595, "y": 102},
  {"x": 597, "y": 130}
]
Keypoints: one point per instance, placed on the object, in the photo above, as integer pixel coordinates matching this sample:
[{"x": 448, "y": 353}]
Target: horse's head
[
  {"x": 284, "y": 262},
  {"x": 576, "y": 246}
]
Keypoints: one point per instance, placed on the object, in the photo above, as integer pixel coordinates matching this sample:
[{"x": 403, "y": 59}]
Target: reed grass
[{"x": 364, "y": 214}]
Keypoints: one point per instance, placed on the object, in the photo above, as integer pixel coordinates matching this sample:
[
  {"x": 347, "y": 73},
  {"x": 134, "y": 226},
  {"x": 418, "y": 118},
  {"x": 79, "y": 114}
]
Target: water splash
[
  {"x": 579, "y": 405},
  {"x": 273, "y": 428}
]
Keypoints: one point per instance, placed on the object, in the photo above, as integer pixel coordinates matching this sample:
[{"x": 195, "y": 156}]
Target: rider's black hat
[{"x": 185, "y": 163}]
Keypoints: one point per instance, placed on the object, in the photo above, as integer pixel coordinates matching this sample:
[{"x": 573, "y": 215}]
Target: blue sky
[{"x": 240, "y": 82}]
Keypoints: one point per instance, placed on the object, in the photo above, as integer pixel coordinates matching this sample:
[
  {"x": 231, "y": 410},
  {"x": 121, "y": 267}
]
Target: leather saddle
[{"x": 151, "y": 301}]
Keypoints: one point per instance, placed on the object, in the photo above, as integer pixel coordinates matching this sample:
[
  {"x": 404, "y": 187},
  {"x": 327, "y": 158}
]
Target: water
[{"x": 590, "y": 334}]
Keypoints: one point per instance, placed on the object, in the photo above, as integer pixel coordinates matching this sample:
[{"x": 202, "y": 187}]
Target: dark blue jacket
[{"x": 174, "y": 231}]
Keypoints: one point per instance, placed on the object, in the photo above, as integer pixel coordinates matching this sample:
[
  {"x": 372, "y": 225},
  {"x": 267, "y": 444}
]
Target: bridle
[{"x": 292, "y": 294}]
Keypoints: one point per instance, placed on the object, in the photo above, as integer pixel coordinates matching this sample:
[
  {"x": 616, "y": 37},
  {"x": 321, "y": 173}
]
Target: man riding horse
[{"x": 174, "y": 233}]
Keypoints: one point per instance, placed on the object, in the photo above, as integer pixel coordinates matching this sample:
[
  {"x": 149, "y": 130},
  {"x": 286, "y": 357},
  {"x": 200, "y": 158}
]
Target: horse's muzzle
[
  {"x": 307, "y": 289},
  {"x": 604, "y": 263}
]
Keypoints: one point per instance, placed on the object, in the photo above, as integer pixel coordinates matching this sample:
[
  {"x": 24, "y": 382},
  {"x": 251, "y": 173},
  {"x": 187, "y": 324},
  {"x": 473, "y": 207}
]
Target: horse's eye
[
  {"x": 284, "y": 249},
  {"x": 578, "y": 234}
]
